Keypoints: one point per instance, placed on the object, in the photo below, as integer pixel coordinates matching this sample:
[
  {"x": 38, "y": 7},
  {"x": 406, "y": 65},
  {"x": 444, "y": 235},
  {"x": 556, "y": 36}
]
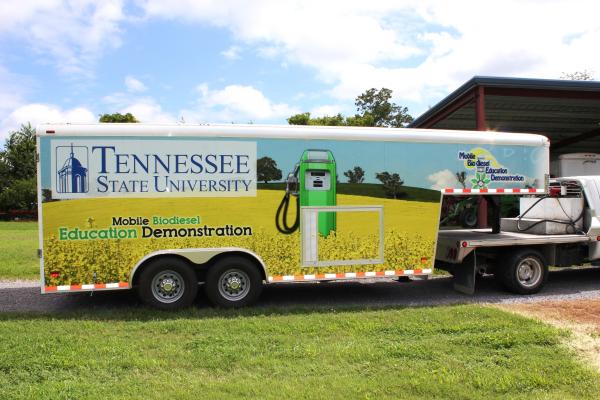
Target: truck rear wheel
[
  {"x": 526, "y": 272},
  {"x": 233, "y": 282},
  {"x": 168, "y": 283}
]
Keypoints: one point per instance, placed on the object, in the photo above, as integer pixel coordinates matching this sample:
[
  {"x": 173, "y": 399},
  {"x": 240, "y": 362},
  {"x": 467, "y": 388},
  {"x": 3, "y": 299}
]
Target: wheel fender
[{"x": 197, "y": 256}]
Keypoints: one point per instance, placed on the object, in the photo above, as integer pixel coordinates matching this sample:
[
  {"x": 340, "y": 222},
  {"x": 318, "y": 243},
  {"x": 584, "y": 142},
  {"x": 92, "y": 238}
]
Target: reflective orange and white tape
[
  {"x": 275, "y": 278},
  {"x": 91, "y": 286},
  {"x": 349, "y": 275},
  {"x": 492, "y": 191}
]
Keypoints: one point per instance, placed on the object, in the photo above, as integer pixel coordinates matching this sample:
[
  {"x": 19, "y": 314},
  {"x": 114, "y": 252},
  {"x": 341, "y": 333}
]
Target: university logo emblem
[{"x": 72, "y": 169}]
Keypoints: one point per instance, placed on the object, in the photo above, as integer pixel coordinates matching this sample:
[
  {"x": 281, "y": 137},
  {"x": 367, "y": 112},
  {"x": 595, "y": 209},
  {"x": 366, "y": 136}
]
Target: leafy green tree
[
  {"x": 305, "y": 119},
  {"x": 355, "y": 175},
  {"x": 392, "y": 184},
  {"x": 20, "y": 195},
  {"x": 360, "y": 120},
  {"x": 5, "y": 177},
  {"x": 374, "y": 109},
  {"x": 118, "y": 117},
  {"x": 299, "y": 119},
  {"x": 18, "y": 156},
  {"x": 584, "y": 75},
  {"x": 376, "y": 103},
  {"x": 17, "y": 170},
  {"x": 267, "y": 170},
  {"x": 336, "y": 120}
]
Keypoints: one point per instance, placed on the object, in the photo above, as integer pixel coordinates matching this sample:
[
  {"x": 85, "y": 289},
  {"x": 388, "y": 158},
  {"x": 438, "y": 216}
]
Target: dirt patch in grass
[{"x": 581, "y": 317}]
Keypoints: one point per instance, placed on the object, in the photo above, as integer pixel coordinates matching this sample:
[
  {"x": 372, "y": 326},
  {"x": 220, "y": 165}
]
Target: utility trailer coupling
[{"x": 162, "y": 208}]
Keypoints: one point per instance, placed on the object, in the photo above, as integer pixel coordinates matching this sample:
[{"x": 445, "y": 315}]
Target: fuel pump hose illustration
[{"x": 313, "y": 183}]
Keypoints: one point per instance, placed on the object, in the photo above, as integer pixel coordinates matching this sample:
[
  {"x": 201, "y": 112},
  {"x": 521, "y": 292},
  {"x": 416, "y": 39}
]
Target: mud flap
[{"x": 464, "y": 276}]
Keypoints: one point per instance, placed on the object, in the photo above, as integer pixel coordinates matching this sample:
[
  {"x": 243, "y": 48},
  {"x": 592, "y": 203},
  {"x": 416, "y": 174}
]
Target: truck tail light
[{"x": 554, "y": 191}]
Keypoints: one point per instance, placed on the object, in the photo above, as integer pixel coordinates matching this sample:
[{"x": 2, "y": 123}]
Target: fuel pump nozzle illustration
[{"x": 313, "y": 183}]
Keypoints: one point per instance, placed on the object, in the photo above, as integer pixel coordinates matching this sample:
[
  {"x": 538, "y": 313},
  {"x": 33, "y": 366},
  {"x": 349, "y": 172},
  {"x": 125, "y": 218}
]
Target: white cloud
[
  {"x": 134, "y": 85},
  {"x": 145, "y": 108},
  {"x": 313, "y": 33},
  {"x": 37, "y": 113},
  {"x": 537, "y": 41},
  {"x": 443, "y": 179},
  {"x": 420, "y": 49},
  {"x": 236, "y": 103},
  {"x": 326, "y": 110},
  {"x": 70, "y": 33},
  {"x": 232, "y": 53},
  {"x": 13, "y": 88}
]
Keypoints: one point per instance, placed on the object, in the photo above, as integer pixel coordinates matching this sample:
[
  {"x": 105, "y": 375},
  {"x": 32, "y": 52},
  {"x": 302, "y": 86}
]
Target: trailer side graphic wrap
[{"x": 317, "y": 208}]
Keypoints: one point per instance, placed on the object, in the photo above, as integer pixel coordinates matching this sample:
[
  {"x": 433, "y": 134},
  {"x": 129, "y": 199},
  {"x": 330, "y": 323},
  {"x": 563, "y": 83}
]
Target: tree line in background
[
  {"x": 373, "y": 107},
  {"x": 17, "y": 171}
]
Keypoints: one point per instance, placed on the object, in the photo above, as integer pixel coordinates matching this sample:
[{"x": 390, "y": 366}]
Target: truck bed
[
  {"x": 485, "y": 237},
  {"x": 454, "y": 245}
]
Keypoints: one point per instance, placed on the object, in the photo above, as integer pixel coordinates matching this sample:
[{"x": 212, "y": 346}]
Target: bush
[{"x": 20, "y": 195}]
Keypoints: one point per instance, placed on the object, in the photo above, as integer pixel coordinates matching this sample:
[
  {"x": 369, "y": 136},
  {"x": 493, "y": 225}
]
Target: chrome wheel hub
[
  {"x": 234, "y": 284},
  {"x": 168, "y": 286},
  {"x": 529, "y": 272}
]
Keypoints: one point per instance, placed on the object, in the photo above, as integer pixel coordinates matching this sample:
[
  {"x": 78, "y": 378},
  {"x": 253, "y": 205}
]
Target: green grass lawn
[
  {"x": 18, "y": 247},
  {"x": 454, "y": 352}
]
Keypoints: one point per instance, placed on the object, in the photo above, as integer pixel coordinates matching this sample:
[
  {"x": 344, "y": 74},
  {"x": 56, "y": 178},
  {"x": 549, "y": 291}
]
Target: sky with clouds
[{"x": 261, "y": 61}]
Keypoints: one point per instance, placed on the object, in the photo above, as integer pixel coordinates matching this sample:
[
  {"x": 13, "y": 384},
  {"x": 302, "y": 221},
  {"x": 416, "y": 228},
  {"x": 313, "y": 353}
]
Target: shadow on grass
[
  {"x": 124, "y": 306},
  {"x": 286, "y": 299}
]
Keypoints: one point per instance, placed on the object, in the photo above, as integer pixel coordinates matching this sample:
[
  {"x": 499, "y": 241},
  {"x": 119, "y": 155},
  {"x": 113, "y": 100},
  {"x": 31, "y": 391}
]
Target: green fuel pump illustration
[{"x": 313, "y": 183}]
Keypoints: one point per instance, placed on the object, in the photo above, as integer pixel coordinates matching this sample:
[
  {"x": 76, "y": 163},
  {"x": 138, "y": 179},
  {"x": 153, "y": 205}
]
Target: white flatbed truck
[{"x": 518, "y": 258}]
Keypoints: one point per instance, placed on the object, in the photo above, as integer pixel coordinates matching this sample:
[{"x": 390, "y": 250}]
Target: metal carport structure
[{"x": 566, "y": 111}]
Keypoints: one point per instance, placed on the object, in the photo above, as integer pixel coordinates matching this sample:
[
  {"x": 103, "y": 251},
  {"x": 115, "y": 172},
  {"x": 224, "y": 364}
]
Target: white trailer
[{"x": 164, "y": 208}]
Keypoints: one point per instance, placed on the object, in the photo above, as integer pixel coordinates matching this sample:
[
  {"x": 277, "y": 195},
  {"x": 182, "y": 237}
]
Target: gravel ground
[{"x": 569, "y": 284}]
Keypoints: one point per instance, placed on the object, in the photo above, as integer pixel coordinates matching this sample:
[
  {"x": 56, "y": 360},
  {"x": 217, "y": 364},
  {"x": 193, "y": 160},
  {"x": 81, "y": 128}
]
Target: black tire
[
  {"x": 233, "y": 282},
  {"x": 468, "y": 217},
  {"x": 525, "y": 272},
  {"x": 168, "y": 283}
]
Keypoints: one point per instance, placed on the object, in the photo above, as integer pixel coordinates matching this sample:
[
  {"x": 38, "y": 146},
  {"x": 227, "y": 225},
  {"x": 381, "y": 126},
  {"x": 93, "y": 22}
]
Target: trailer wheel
[
  {"x": 168, "y": 283},
  {"x": 526, "y": 272},
  {"x": 233, "y": 282}
]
